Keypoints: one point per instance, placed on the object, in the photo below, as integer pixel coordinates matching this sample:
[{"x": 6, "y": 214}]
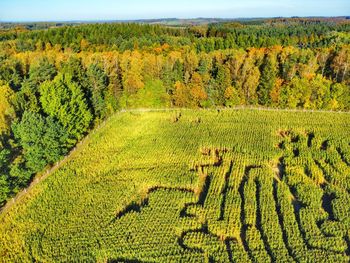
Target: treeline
[
  {"x": 296, "y": 34},
  {"x": 95, "y": 36},
  {"x": 219, "y": 36},
  {"x": 51, "y": 96},
  {"x": 279, "y": 77}
]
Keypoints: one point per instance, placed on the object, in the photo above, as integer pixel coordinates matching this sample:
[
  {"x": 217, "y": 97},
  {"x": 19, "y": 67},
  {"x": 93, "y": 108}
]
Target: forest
[{"x": 57, "y": 84}]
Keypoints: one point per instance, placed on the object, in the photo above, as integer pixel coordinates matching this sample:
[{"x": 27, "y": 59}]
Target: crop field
[{"x": 193, "y": 186}]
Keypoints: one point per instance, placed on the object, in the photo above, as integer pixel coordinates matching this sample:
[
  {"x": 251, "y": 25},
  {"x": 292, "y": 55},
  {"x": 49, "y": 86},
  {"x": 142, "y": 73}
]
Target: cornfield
[{"x": 193, "y": 186}]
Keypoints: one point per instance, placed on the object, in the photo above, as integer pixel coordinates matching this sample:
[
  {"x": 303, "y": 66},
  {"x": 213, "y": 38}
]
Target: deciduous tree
[{"x": 63, "y": 99}]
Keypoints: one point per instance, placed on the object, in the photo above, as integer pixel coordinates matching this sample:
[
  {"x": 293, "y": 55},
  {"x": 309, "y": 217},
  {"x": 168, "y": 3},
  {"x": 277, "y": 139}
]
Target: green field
[{"x": 193, "y": 186}]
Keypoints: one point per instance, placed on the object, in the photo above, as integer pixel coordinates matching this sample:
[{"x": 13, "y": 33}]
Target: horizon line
[{"x": 167, "y": 18}]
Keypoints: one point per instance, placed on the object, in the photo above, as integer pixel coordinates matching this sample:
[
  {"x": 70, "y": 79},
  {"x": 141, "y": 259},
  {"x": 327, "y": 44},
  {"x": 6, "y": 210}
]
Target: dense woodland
[{"x": 57, "y": 84}]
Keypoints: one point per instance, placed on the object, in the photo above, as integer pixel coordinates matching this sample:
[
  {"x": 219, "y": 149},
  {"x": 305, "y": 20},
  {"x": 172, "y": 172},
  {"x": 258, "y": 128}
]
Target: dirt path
[{"x": 234, "y": 108}]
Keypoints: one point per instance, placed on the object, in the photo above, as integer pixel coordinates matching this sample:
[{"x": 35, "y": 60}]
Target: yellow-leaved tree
[{"x": 7, "y": 112}]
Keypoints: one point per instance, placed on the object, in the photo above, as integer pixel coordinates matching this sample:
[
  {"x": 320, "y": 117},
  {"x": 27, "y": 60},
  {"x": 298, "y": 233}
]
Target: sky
[{"x": 68, "y": 10}]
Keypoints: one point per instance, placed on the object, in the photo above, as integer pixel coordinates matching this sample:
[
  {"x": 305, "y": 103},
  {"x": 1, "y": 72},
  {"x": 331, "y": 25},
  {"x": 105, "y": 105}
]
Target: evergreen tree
[
  {"x": 98, "y": 84},
  {"x": 222, "y": 82},
  {"x": 42, "y": 72},
  {"x": 267, "y": 80},
  {"x": 4, "y": 180}
]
